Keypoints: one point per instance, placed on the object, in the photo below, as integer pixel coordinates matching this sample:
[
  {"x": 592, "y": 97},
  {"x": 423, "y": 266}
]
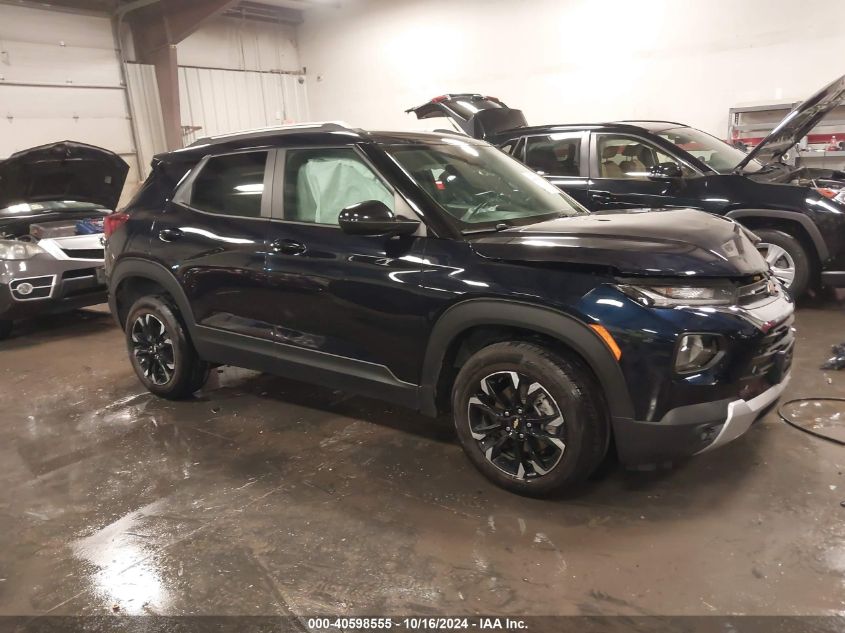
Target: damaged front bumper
[
  {"x": 693, "y": 429},
  {"x": 751, "y": 384},
  {"x": 742, "y": 414}
]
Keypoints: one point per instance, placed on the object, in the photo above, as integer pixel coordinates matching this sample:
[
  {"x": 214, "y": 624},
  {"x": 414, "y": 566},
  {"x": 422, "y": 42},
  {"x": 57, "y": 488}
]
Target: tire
[
  {"x": 562, "y": 403},
  {"x": 161, "y": 352},
  {"x": 5, "y": 329},
  {"x": 787, "y": 256}
]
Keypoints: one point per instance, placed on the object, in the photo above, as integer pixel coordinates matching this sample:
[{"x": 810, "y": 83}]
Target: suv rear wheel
[
  {"x": 787, "y": 258},
  {"x": 530, "y": 420},
  {"x": 161, "y": 353}
]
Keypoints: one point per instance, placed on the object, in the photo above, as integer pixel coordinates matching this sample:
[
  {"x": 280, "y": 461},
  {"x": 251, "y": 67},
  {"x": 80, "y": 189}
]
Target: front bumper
[
  {"x": 692, "y": 429},
  {"x": 59, "y": 287},
  {"x": 742, "y": 414}
]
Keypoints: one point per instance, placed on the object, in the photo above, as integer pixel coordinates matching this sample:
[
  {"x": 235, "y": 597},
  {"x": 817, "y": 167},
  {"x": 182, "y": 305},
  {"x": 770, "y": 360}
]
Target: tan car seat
[
  {"x": 609, "y": 169},
  {"x": 633, "y": 164}
]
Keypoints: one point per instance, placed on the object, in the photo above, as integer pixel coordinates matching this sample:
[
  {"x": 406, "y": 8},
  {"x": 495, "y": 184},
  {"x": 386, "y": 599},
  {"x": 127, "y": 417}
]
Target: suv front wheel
[
  {"x": 530, "y": 420},
  {"x": 161, "y": 353},
  {"x": 787, "y": 259}
]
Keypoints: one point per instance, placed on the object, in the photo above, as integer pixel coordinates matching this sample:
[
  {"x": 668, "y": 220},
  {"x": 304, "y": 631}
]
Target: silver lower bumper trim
[{"x": 741, "y": 414}]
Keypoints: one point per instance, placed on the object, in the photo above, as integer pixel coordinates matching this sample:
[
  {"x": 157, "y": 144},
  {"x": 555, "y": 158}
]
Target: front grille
[
  {"x": 80, "y": 273},
  {"x": 41, "y": 288},
  {"x": 84, "y": 253},
  {"x": 773, "y": 356},
  {"x": 760, "y": 288}
]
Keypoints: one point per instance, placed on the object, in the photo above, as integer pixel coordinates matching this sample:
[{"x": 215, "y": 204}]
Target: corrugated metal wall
[
  {"x": 146, "y": 108},
  {"x": 216, "y": 101}
]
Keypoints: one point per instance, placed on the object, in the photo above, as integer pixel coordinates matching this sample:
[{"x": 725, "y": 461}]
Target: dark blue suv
[{"x": 434, "y": 271}]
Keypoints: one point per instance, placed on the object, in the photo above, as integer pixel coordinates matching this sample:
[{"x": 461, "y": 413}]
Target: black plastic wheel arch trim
[{"x": 502, "y": 312}]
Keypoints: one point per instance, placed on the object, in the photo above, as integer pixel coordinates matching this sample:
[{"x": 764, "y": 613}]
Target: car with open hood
[
  {"x": 436, "y": 272},
  {"x": 53, "y": 202},
  {"x": 799, "y": 214}
]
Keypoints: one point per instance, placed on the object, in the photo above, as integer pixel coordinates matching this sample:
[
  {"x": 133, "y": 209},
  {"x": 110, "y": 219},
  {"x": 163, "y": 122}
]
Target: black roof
[
  {"x": 308, "y": 134},
  {"x": 610, "y": 126}
]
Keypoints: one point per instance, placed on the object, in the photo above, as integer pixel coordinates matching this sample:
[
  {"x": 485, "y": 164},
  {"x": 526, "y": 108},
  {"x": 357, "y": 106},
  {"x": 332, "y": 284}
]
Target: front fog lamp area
[
  {"x": 12, "y": 250},
  {"x": 695, "y": 352},
  {"x": 671, "y": 296}
]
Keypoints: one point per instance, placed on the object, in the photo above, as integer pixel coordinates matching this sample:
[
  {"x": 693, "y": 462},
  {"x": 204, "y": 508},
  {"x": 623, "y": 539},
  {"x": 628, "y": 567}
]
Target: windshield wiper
[{"x": 501, "y": 226}]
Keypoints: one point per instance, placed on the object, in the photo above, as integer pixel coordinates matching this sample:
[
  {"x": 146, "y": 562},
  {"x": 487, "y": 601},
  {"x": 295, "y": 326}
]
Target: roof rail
[
  {"x": 326, "y": 126},
  {"x": 650, "y": 121}
]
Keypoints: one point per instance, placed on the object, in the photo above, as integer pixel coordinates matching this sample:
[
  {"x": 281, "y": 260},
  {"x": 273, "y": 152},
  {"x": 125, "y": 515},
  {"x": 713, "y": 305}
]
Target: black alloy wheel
[
  {"x": 518, "y": 425},
  {"x": 153, "y": 348}
]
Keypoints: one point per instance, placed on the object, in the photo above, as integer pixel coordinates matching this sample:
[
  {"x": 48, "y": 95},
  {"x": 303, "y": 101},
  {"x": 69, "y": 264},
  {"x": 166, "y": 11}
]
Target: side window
[
  {"x": 319, "y": 183},
  {"x": 555, "y": 154},
  {"x": 231, "y": 185},
  {"x": 508, "y": 147},
  {"x": 630, "y": 158}
]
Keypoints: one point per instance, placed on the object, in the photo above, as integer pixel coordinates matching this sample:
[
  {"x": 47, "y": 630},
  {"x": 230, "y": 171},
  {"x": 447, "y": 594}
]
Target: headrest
[
  {"x": 631, "y": 150},
  {"x": 609, "y": 151}
]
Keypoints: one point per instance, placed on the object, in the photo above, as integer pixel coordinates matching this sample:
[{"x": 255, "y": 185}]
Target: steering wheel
[{"x": 475, "y": 209}]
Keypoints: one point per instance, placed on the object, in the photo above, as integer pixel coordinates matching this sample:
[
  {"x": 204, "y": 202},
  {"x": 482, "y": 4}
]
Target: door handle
[
  {"x": 169, "y": 235},
  {"x": 601, "y": 196},
  {"x": 288, "y": 247}
]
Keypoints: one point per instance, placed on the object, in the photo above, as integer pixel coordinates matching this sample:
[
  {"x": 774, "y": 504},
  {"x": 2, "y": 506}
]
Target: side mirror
[
  {"x": 665, "y": 171},
  {"x": 373, "y": 217}
]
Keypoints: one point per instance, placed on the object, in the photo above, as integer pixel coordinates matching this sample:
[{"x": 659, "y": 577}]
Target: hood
[
  {"x": 479, "y": 117},
  {"x": 656, "y": 243},
  {"x": 797, "y": 124},
  {"x": 62, "y": 171}
]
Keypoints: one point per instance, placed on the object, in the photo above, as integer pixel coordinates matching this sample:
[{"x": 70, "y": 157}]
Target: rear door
[
  {"x": 562, "y": 157},
  {"x": 212, "y": 236},
  {"x": 620, "y": 175}
]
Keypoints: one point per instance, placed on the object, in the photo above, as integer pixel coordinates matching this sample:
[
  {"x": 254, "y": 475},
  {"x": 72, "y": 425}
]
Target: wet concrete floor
[{"x": 268, "y": 496}]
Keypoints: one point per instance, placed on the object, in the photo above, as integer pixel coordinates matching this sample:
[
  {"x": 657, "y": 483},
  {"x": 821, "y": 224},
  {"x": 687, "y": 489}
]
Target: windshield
[
  {"x": 709, "y": 150},
  {"x": 480, "y": 185}
]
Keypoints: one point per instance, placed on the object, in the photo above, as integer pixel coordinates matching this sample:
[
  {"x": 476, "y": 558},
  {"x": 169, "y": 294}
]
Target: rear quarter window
[{"x": 231, "y": 185}]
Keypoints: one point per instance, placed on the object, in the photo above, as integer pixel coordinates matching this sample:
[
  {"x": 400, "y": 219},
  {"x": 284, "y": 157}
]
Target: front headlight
[
  {"x": 12, "y": 250},
  {"x": 695, "y": 352},
  {"x": 669, "y": 296}
]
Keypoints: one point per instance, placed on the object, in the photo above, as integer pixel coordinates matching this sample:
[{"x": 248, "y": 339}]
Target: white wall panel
[
  {"x": 222, "y": 101},
  {"x": 569, "y": 60},
  {"x": 242, "y": 45}
]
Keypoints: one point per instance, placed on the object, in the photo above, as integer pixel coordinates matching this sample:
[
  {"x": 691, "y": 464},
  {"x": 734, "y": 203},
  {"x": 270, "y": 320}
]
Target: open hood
[
  {"x": 658, "y": 243},
  {"x": 62, "y": 171},
  {"x": 797, "y": 124},
  {"x": 478, "y": 116}
]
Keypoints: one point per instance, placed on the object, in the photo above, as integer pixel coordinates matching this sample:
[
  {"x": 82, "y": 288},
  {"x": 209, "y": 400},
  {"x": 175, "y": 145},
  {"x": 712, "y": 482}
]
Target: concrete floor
[{"x": 267, "y": 496}]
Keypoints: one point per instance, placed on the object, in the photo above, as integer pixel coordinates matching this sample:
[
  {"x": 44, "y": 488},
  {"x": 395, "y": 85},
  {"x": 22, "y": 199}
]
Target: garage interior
[{"x": 267, "y": 496}]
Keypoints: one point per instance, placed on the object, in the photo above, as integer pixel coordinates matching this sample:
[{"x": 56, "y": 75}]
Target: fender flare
[
  {"x": 566, "y": 329},
  {"x": 809, "y": 226},
  {"x": 132, "y": 267}
]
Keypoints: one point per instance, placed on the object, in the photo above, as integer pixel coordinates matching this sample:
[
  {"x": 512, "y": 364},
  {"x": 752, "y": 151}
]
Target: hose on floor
[{"x": 805, "y": 430}]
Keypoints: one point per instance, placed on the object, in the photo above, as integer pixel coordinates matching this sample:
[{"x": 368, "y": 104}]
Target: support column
[{"x": 166, "y": 65}]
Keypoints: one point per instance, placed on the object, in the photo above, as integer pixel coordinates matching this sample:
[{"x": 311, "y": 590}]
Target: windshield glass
[
  {"x": 479, "y": 185},
  {"x": 709, "y": 150}
]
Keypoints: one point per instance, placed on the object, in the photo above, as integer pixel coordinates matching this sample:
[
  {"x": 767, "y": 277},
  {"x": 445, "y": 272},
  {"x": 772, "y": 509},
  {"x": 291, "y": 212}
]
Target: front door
[
  {"x": 212, "y": 237},
  {"x": 621, "y": 175},
  {"x": 353, "y": 297}
]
